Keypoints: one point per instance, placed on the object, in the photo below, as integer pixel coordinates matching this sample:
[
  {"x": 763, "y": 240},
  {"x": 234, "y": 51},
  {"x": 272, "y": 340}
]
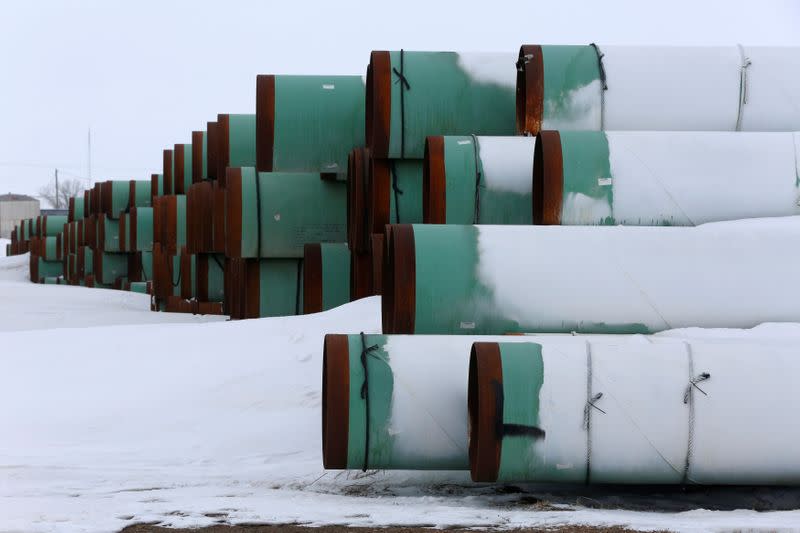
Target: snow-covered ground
[
  {"x": 3, "y": 243},
  {"x": 104, "y": 425},
  {"x": 25, "y": 305}
]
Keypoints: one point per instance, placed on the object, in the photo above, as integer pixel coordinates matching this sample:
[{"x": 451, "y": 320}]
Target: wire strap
[
  {"x": 591, "y": 404},
  {"x": 688, "y": 399},
  {"x": 397, "y": 191},
  {"x": 216, "y": 260},
  {"x": 404, "y": 86},
  {"x": 366, "y": 351},
  {"x": 511, "y": 430},
  {"x": 603, "y": 83},
  {"x": 742, "y": 86},
  {"x": 298, "y": 287},
  {"x": 476, "y": 214},
  {"x": 171, "y": 270}
]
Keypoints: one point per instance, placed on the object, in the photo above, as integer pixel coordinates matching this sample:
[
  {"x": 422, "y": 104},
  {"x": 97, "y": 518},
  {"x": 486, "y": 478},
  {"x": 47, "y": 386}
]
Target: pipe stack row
[
  {"x": 41, "y": 236},
  {"x": 632, "y": 190}
]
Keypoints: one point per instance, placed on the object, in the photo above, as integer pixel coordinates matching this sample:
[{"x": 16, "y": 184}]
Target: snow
[
  {"x": 773, "y": 89},
  {"x": 507, "y": 163},
  {"x": 693, "y": 88},
  {"x": 572, "y": 277},
  {"x": 190, "y": 424},
  {"x": 580, "y": 109},
  {"x": 689, "y": 179},
  {"x": 3, "y": 243},
  {"x": 26, "y": 306},
  {"x": 495, "y": 68}
]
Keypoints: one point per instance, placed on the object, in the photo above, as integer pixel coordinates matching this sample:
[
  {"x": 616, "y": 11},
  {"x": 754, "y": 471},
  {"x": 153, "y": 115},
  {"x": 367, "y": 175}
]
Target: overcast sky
[{"x": 143, "y": 74}]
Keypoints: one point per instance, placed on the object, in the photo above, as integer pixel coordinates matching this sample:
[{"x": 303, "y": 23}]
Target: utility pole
[{"x": 57, "y": 199}]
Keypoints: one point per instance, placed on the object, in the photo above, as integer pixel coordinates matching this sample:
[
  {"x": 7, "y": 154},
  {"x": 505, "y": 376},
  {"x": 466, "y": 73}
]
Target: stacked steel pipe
[
  {"x": 615, "y": 212},
  {"x": 583, "y": 227},
  {"x": 411, "y": 95}
]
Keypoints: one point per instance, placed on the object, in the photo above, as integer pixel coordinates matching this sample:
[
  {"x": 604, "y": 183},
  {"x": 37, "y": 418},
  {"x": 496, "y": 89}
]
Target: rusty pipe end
[
  {"x": 211, "y": 149},
  {"x": 548, "y": 179},
  {"x": 378, "y": 112},
  {"x": 312, "y": 278},
  {"x": 485, "y": 375},
  {"x": 197, "y": 156},
  {"x": 265, "y": 122},
  {"x": 335, "y": 401},
  {"x": 233, "y": 213},
  {"x": 179, "y": 167},
  {"x": 434, "y": 195},
  {"x": 398, "y": 299},
  {"x": 357, "y": 199},
  {"x": 223, "y": 155},
  {"x": 167, "y": 172},
  {"x": 530, "y": 89},
  {"x": 378, "y": 176}
]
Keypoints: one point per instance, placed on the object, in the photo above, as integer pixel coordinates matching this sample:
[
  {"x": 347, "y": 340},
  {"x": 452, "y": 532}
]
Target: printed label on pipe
[
  {"x": 328, "y": 86},
  {"x": 467, "y": 325},
  {"x": 603, "y": 181},
  {"x": 465, "y": 142}
]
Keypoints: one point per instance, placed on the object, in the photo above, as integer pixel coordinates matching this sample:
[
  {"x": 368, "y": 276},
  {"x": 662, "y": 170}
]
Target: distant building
[{"x": 13, "y": 208}]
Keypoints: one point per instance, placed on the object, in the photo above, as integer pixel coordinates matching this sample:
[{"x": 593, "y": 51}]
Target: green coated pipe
[
  {"x": 50, "y": 249},
  {"x": 405, "y": 203},
  {"x": 280, "y": 287},
  {"x": 546, "y": 411},
  {"x": 41, "y": 268},
  {"x": 326, "y": 276},
  {"x": 664, "y": 178},
  {"x": 210, "y": 279},
  {"x": 51, "y": 225},
  {"x": 138, "y": 287},
  {"x": 236, "y": 143},
  {"x": 478, "y": 180},
  {"x": 596, "y": 279},
  {"x": 140, "y": 230},
  {"x": 140, "y": 194},
  {"x": 665, "y": 88},
  {"x": 76, "y": 208},
  {"x": 411, "y": 95},
  {"x": 108, "y": 234},
  {"x": 182, "y": 166},
  {"x": 156, "y": 186},
  {"x": 108, "y": 266},
  {"x": 308, "y": 123},
  {"x": 199, "y": 156},
  {"x": 116, "y": 197},
  {"x": 285, "y": 210}
]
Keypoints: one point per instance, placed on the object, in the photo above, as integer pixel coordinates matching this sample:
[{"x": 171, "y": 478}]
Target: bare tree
[{"x": 66, "y": 189}]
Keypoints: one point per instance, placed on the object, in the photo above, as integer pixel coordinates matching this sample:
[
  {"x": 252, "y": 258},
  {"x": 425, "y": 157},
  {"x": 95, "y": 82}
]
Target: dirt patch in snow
[{"x": 291, "y": 528}]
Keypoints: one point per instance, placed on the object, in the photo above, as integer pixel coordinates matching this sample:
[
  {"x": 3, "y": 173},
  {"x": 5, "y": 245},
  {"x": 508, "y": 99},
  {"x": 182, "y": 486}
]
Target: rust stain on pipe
[
  {"x": 548, "y": 179},
  {"x": 379, "y": 103},
  {"x": 485, "y": 376},
  {"x": 434, "y": 194},
  {"x": 312, "y": 278},
  {"x": 265, "y": 122},
  {"x": 530, "y": 90},
  {"x": 398, "y": 300},
  {"x": 211, "y": 150}
]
